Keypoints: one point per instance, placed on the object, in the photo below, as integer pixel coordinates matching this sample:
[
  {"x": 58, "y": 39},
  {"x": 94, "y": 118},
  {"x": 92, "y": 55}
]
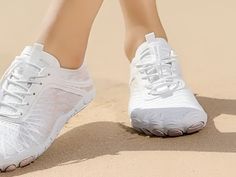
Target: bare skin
[
  {"x": 141, "y": 17},
  {"x": 66, "y": 30},
  {"x": 68, "y": 23}
]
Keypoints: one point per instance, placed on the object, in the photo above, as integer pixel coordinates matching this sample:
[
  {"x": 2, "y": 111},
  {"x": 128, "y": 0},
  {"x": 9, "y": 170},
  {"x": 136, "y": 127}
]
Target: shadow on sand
[{"x": 109, "y": 138}]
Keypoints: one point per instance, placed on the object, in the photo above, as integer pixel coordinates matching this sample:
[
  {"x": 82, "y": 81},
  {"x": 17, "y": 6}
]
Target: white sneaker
[
  {"x": 160, "y": 103},
  {"x": 37, "y": 99}
]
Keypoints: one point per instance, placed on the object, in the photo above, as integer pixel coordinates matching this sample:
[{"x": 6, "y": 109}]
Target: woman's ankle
[
  {"x": 136, "y": 36},
  {"x": 68, "y": 57}
]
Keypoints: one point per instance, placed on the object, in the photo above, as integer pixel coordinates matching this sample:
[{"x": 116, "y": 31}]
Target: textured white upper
[
  {"x": 35, "y": 93},
  {"x": 156, "y": 85}
]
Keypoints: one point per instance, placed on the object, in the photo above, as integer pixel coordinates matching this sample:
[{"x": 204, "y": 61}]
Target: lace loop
[
  {"x": 20, "y": 88},
  {"x": 159, "y": 72}
]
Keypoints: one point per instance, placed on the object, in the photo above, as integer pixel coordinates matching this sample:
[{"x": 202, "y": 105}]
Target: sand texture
[{"x": 99, "y": 142}]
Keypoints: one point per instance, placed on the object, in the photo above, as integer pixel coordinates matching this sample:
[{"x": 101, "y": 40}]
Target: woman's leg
[
  {"x": 140, "y": 17},
  {"x": 37, "y": 94},
  {"x": 66, "y": 30}
]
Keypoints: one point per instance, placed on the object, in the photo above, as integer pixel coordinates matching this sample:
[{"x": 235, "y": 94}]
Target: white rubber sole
[
  {"x": 27, "y": 157},
  {"x": 168, "y": 123}
]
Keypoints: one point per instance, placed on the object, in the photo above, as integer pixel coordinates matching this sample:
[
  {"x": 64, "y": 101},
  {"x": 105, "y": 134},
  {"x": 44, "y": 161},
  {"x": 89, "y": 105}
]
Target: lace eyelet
[
  {"x": 34, "y": 93},
  {"x": 40, "y": 83},
  {"x": 49, "y": 74}
]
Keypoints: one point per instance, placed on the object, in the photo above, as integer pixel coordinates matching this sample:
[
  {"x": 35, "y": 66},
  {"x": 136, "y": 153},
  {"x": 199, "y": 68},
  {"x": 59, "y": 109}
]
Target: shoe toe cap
[{"x": 165, "y": 119}]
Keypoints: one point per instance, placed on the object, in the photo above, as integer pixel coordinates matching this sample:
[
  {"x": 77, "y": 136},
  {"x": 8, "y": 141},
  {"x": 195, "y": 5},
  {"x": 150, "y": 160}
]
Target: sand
[{"x": 99, "y": 142}]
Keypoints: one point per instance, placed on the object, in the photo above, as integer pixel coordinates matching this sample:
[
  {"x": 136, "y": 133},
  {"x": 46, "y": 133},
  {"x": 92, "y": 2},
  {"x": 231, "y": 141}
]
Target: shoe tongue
[
  {"x": 24, "y": 71},
  {"x": 154, "y": 50},
  {"x": 35, "y": 54},
  {"x": 163, "y": 47},
  {"x": 36, "y": 59}
]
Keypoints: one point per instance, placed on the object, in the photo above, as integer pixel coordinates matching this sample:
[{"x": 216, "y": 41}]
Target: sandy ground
[{"x": 99, "y": 141}]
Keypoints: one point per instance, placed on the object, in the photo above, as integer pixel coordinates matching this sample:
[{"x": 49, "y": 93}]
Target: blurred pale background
[{"x": 203, "y": 34}]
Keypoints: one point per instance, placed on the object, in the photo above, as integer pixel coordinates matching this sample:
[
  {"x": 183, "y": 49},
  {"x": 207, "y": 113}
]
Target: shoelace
[
  {"x": 160, "y": 73},
  {"x": 13, "y": 78}
]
